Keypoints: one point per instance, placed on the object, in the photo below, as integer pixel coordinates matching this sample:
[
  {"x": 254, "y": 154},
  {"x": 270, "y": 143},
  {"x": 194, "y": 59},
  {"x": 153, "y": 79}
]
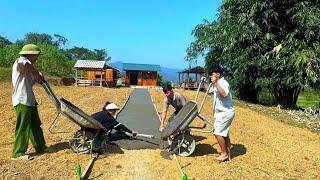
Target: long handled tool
[
  {"x": 183, "y": 175},
  {"x": 178, "y": 164},
  {"x": 140, "y": 135},
  {"x": 86, "y": 174}
]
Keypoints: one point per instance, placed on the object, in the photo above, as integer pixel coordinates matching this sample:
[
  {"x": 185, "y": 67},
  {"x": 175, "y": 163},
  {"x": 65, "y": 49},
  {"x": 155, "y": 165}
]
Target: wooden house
[
  {"x": 92, "y": 73},
  {"x": 141, "y": 74}
]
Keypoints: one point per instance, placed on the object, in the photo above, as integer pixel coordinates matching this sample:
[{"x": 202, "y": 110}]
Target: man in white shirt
[
  {"x": 24, "y": 76},
  {"x": 223, "y": 110}
]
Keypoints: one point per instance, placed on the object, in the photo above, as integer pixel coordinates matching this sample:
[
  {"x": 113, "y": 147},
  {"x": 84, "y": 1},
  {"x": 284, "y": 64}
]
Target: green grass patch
[
  {"x": 5, "y": 74},
  {"x": 265, "y": 98},
  {"x": 309, "y": 98}
]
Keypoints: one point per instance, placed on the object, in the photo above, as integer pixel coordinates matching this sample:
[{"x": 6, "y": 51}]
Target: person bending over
[
  {"x": 107, "y": 117},
  {"x": 174, "y": 99}
]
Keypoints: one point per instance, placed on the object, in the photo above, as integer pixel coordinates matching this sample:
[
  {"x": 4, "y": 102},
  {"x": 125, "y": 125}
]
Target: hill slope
[{"x": 5, "y": 74}]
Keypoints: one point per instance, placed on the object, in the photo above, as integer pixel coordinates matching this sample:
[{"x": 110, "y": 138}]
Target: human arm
[
  {"x": 163, "y": 117},
  {"x": 219, "y": 88},
  {"x": 205, "y": 85},
  {"x": 30, "y": 68},
  {"x": 164, "y": 112},
  {"x": 122, "y": 128}
]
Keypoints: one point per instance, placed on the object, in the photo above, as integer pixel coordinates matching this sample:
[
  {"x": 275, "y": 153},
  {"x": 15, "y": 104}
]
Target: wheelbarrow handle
[{"x": 198, "y": 90}]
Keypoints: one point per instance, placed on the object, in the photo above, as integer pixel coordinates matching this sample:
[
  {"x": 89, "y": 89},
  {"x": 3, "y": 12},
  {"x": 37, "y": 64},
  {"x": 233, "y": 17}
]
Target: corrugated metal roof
[
  {"x": 197, "y": 69},
  {"x": 141, "y": 67},
  {"x": 90, "y": 64}
]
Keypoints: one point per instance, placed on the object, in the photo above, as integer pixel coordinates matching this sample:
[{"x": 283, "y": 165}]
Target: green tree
[
  {"x": 60, "y": 41},
  {"x": 43, "y": 38},
  {"x": 77, "y": 53},
  {"x": 4, "y": 41},
  {"x": 264, "y": 44},
  {"x": 9, "y": 54},
  {"x": 54, "y": 61},
  {"x": 38, "y": 38},
  {"x": 161, "y": 82}
]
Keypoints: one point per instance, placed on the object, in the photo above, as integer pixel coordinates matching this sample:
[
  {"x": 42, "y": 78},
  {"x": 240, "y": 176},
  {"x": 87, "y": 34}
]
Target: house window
[{"x": 147, "y": 75}]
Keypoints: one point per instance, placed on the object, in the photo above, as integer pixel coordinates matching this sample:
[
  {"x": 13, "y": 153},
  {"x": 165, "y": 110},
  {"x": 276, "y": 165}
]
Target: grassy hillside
[{"x": 5, "y": 74}]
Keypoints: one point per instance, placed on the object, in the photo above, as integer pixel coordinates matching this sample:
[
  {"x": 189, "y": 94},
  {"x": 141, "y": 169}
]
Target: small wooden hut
[
  {"x": 93, "y": 73},
  {"x": 141, "y": 74},
  {"x": 189, "y": 78}
]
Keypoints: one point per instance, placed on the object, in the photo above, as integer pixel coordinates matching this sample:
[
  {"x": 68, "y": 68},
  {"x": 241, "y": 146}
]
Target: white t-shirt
[
  {"x": 22, "y": 82},
  {"x": 222, "y": 103}
]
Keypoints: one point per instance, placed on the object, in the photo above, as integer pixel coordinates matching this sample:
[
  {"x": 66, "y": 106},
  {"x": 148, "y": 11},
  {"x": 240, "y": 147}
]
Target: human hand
[
  {"x": 161, "y": 128},
  {"x": 214, "y": 79},
  {"x": 203, "y": 79},
  {"x": 42, "y": 77},
  {"x": 39, "y": 79},
  {"x": 134, "y": 133}
]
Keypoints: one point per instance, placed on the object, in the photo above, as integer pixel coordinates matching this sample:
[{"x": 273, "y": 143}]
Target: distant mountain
[
  {"x": 117, "y": 64},
  {"x": 169, "y": 74}
]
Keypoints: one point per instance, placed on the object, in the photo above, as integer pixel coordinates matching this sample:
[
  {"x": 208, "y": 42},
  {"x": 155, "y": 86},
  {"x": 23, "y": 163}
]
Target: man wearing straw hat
[{"x": 24, "y": 76}]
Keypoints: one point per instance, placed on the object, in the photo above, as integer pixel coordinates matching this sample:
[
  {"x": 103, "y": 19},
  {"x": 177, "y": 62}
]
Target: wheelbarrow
[
  {"x": 181, "y": 142},
  {"x": 86, "y": 139}
]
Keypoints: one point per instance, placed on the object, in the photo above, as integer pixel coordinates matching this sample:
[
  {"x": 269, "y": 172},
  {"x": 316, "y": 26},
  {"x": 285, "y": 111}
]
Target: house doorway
[{"x": 133, "y": 78}]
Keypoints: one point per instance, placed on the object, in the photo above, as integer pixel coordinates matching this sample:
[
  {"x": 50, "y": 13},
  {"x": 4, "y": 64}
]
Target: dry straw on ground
[{"x": 262, "y": 147}]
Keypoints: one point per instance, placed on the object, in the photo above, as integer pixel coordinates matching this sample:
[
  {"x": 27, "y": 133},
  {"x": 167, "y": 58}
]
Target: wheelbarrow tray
[
  {"x": 181, "y": 121},
  {"x": 71, "y": 111},
  {"x": 78, "y": 116}
]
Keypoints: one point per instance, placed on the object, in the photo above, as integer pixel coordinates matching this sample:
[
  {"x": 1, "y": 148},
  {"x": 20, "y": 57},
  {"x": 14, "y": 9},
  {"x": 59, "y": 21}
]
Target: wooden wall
[
  {"x": 144, "y": 78},
  {"x": 108, "y": 75}
]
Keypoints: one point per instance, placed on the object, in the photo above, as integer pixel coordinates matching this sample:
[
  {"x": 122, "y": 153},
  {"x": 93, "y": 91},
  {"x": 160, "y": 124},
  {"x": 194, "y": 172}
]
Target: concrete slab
[{"x": 139, "y": 114}]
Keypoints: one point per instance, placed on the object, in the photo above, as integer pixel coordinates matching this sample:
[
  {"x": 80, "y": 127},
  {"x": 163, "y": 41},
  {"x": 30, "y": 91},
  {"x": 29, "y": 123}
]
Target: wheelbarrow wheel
[
  {"x": 187, "y": 145},
  {"x": 80, "y": 143}
]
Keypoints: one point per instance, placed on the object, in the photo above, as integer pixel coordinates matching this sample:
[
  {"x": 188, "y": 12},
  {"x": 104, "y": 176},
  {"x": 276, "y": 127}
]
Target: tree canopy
[
  {"x": 264, "y": 44},
  {"x": 84, "y": 53},
  {"x": 55, "y": 59},
  {"x": 4, "y": 41}
]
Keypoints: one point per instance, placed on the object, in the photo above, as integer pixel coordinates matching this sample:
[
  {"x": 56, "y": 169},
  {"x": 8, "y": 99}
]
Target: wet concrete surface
[{"x": 139, "y": 115}]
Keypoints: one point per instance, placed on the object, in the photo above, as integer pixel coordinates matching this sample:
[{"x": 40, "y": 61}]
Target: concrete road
[{"x": 140, "y": 115}]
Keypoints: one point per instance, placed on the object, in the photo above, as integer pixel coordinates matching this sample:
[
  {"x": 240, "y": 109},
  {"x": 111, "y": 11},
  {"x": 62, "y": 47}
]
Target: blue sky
[{"x": 133, "y": 31}]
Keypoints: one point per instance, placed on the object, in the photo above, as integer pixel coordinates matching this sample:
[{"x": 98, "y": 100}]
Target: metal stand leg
[{"x": 54, "y": 122}]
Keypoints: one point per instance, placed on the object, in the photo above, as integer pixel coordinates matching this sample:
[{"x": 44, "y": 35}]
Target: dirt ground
[{"x": 262, "y": 147}]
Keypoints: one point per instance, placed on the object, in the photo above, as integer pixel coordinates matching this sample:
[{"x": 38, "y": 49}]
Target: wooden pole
[
  {"x": 100, "y": 78},
  {"x": 76, "y": 77},
  {"x": 179, "y": 79}
]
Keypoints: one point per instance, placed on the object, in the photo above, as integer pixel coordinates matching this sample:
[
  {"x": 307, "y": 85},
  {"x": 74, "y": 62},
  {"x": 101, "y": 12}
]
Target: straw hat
[{"x": 30, "y": 49}]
